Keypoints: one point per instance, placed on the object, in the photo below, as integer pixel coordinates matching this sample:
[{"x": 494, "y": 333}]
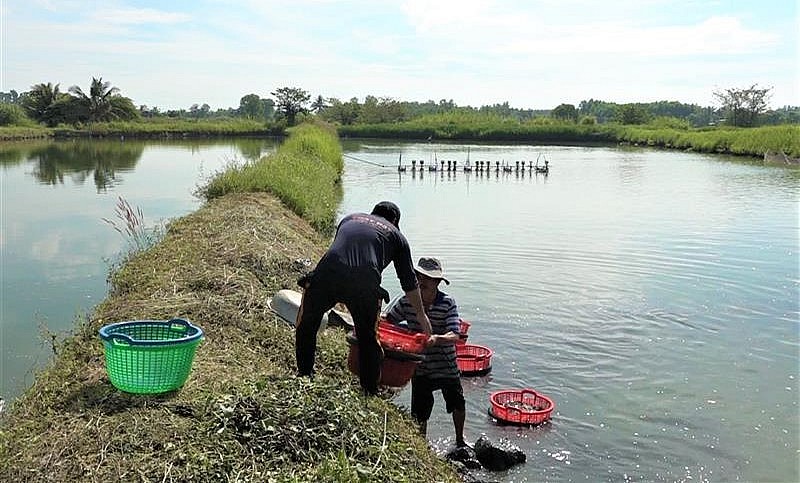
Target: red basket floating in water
[
  {"x": 524, "y": 406},
  {"x": 473, "y": 360}
]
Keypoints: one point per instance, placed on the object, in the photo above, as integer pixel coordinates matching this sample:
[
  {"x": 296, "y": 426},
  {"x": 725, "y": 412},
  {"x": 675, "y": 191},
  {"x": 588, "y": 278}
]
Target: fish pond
[{"x": 653, "y": 295}]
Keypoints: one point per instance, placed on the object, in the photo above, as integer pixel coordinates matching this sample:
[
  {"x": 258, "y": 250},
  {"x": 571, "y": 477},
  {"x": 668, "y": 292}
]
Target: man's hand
[{"x": 432, "y": 340}]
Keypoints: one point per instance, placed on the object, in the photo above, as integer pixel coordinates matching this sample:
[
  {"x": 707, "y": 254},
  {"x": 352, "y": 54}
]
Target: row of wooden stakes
[{"x": 481, "y": 166}]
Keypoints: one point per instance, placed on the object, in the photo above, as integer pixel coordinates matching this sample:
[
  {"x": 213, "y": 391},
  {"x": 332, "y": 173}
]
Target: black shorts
[{"x": 422, "y": 389}]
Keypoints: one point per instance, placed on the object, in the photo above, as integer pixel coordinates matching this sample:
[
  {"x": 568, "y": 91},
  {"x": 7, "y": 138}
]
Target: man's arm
[{"x": 416, "y": 302}]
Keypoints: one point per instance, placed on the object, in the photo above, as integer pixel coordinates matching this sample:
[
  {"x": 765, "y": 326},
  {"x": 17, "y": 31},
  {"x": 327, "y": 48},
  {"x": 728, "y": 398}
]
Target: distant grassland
[
  {"x": 169, "y": 127},
  {"x": 462, "y": 126},
  {"x": 304, "y": 173},
  {"x": 13, "y": 133},
  {"x": 741, "y": 141}
]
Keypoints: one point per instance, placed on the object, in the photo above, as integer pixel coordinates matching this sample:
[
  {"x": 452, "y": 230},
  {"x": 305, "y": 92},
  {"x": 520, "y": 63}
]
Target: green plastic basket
[{"x": 150, "y": 356}]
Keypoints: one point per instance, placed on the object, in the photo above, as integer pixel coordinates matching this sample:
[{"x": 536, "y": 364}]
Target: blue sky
[{"x": 533, "y": 54}]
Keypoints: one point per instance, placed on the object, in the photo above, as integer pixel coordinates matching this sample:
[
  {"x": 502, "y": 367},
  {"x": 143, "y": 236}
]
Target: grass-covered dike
[
  {"x": 242, "y": 415},
  {"x": 754, "y": 142}
]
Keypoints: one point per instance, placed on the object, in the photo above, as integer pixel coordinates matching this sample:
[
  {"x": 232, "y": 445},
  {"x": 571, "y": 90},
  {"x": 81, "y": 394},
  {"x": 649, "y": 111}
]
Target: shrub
[{"x": 13, "y": 115}]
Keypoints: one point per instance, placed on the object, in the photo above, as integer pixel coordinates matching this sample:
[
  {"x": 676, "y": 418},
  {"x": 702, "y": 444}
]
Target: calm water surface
[
  {"x": 55, "y": 248},
  {"x": 653, "y": 295}
]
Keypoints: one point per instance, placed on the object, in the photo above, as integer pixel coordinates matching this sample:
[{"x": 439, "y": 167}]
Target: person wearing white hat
[{"x": 439, "y": 371}]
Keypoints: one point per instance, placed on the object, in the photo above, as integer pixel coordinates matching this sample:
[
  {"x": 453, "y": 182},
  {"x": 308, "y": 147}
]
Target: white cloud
[
  {"x": 132, "y": 16},
  {"x": 532, "y": 54}
]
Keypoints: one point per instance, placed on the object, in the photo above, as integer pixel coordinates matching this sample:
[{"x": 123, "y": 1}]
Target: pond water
[
  {"x": 55, "y": 249},
  {"x": 653, "y": 295}
]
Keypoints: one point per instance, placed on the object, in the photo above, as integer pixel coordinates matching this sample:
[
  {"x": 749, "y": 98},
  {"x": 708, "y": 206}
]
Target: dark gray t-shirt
[{"x": 365, "y": 241}]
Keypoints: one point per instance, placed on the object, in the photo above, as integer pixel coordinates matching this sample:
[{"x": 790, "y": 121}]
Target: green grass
[
  {"x": 475, "y": 126},
  {"x": 166, "y": 127},
  {"x": 305, "y": 173},
  {"x": 13, "y": 133},
  {"x": 741, "y": 141},
  {"x": 147, "y": 128},
  {"x": 243, "y": 415}
]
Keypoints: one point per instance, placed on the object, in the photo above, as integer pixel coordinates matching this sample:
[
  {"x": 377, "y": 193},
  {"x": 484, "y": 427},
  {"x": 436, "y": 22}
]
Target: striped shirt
[{"x": 440, "y": 360}]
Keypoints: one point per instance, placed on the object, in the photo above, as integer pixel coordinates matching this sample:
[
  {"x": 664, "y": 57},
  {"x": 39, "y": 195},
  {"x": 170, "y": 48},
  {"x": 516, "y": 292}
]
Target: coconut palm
[
  {"x": 318, "y": 105},
  {"x": 99, "y": 101},
  {"x": 39, "y": 99}
]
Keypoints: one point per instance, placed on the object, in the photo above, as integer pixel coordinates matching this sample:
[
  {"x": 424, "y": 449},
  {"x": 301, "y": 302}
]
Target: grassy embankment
[
  {"x": 146, "y": 128},
  {"x": 242, "y": 415},
  {"x": 16, "y": 133},
  {"x": 465, "y": 126},
  {"x": 739, "y": 141},
  {"x": 754, "y": 142}
]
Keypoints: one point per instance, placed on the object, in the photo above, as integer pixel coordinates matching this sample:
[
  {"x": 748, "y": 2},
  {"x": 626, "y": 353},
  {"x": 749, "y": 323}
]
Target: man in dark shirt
[{"x": 350, "y": 273}]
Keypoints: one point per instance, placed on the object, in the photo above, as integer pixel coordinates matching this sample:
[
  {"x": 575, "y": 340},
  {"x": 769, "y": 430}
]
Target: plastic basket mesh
[{"x": 147, "y": 357}]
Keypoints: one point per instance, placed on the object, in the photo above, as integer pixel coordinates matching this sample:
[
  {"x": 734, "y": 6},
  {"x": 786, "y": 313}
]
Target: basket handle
[
  {"x": 120, "y": 339},
  {"x": 529, "y": 391},
  {"x": 178, "y": 323}
]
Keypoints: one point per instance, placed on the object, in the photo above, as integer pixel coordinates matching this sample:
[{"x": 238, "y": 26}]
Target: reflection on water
[{"x": 99, "y": 159}]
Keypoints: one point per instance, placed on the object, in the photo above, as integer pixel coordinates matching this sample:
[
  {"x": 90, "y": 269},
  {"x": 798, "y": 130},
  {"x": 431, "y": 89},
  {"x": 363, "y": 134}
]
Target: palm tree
[
  {"x": 99, "y": 101},
  {"x": 318, "y": 105},
  {"x": 39, "y": 99}
]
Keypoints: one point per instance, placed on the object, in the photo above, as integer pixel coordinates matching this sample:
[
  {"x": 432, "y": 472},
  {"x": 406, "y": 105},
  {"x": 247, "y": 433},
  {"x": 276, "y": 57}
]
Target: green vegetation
[
  {"x": 304, "y": 173},
  {"x": 11, "y": 133},
  {"x": 13, "y": 115},
  {"x": 45, "y": 103},
  {"x": 166, "y": 127},
  {"x": 103, "y": 112},
  {"x": 742, "y": 141},
  {"x": 662, "y": 132},
  {"x": 242, "y": 415}
]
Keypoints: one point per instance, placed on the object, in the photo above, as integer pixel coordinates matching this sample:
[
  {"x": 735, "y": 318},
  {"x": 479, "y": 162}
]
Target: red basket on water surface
[
  {"x": 473, "y": 360},
  {"x": 524, "y": 406}
]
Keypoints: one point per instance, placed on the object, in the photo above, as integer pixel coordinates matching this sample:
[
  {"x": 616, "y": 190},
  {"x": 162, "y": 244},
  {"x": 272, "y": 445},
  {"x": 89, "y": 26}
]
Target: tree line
[{"x": 46, "y": 104}]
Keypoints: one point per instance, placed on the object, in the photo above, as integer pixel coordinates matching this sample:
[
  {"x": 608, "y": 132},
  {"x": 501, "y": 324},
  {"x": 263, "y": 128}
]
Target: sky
[{"x": 533, "y": 54}]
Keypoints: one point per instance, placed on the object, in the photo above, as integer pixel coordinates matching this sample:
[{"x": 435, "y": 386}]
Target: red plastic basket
[
  {"x": 397, "y": 368},
  {"x": 392, "y": 336},
  {"x": 524, "y": 406},
  {"x": 473, "y": 360}
]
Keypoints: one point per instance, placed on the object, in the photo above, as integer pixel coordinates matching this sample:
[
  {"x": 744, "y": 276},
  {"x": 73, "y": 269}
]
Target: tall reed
[{"x": 132, "y": 227}]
